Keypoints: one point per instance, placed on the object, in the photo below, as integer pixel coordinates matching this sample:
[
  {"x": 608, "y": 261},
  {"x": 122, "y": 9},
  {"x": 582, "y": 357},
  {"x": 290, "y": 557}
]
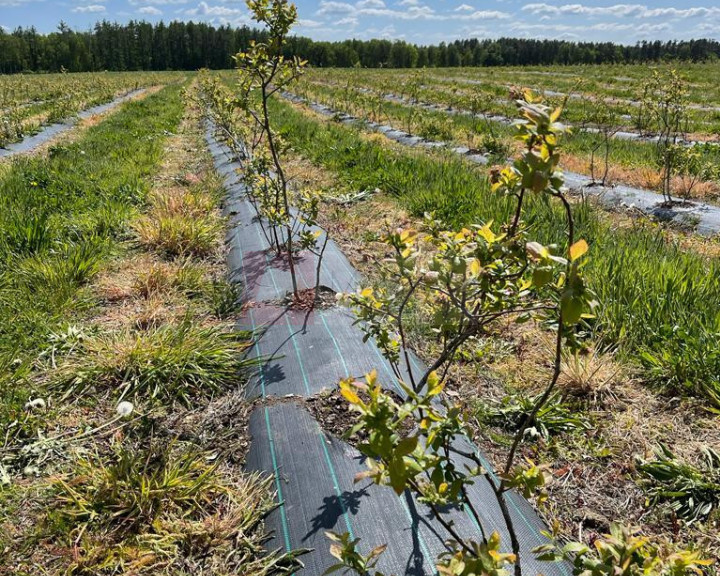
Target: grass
[
  {"x": 27, "y": 101},
  {"x": 626, "y": 156},
  {"x": 57, "y": 215},
  {"x": 691, "y": 492},
  {"x": 61, "y": 217},
  {"x": 621, "y": 84},
  {"x": 556, "y": 417},
  {"x": 182, "y": 362},
  {"x": 655, "y": 298},
  {"x": 84, "y": 489},
  {"x": 160, "y": 509},
  {"x": 180, "y": 225}
]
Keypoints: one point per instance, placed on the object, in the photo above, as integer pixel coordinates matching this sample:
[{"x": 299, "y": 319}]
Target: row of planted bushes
[{"x": 659, "y": 302}]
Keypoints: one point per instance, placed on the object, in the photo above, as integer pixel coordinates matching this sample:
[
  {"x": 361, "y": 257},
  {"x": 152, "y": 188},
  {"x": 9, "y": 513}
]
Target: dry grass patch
[{"x": 180, "y": 224}]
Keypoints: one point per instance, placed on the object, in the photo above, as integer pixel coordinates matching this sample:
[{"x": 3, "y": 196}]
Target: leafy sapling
[
  {"x": 465, "y": 280},
  {"x": 666, "y": 108},
  {"x": 264, "y": 71}
]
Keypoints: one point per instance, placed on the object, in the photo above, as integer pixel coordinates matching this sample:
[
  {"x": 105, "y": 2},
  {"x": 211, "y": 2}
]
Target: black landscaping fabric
[
  {"x": 48, "y": 132},
  {"x": 303, "y": 353}
]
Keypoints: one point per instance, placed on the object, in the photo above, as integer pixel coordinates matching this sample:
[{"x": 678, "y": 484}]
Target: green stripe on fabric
[{"x": 278, "y": 487}]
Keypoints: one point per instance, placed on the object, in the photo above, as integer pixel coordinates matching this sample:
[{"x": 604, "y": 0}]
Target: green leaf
[
  {"x": 398, "y": 477},
  {"x": 406, "y": 446}
]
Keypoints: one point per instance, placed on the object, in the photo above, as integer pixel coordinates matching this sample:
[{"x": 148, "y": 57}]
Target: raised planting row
[
  {"x": 370, "y": 183},
  {"x": 700, "y": 217},
  {"x": 50, "y": 131},
  {"x": 588, "y": 88},
  {"x": 27, "y": 102},
  {"x": 304, "y": 353},
  {"x": 631, "y": 160}
]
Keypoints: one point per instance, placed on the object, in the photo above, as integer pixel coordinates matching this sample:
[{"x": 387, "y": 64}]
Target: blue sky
[{"x": 419, "y": 21}]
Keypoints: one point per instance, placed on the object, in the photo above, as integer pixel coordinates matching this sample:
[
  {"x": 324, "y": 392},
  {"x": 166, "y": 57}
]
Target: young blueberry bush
[
  {"x": 462, "y": 282},
  {"x": 288, "y": 217}
]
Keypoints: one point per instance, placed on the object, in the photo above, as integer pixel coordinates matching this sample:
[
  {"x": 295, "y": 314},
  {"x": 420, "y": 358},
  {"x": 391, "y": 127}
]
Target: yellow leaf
[
  {"x": 487, "y": 233},
  {"x": 578, "y": 249},
  {"x": 336, "y": 551},
  {"x": 349, "y": 394},
  {"x": 475, "y": 267},
  {"x": 367, "y": 292}
]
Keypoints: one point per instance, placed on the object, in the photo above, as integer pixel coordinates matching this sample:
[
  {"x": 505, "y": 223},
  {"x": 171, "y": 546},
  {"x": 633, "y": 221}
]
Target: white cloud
[
  {"x": 150, "y": 11},
  {"x": 487, "y": 15},
  {"x": 305, "y": 23},
  {"x": 15, "y": 3},
  {"x": 412, "y": 10},
  {"x": 92, "y": 8},
  {"x": 330, "y": 8},
  {"x": 350, "y": 22},
  {"x": 204, "y": 9},
  {"x": 370, "y": 4},
  {"x": 618, "y": 11},
  {"x": 155, "y": 2}
]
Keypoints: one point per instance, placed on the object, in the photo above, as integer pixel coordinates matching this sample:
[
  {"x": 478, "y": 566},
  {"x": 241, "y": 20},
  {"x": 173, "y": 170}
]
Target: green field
[{"x": 113, "y": 289}]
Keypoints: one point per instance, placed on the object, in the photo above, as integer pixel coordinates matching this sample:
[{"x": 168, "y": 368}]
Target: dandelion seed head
[{"x": 125, "y": 408}]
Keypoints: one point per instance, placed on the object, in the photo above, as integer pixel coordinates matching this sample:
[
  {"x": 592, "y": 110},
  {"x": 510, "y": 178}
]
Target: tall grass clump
[
  {"x": 659, "y": 302},
  {"x": 180, "y": 224},
  {"x": 182, "y": 362},
  {"x": 161, "y": 509}
]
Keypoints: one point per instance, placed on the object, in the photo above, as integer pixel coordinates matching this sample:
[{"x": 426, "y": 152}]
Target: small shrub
[{"x": 497, "y": 149}]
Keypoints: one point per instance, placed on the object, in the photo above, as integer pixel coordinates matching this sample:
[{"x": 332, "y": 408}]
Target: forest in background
[{"x": 140, "y": 45}]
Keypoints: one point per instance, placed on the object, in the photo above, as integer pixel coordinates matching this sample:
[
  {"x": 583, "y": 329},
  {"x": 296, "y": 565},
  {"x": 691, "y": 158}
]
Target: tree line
[{"x": 139, "y": 45}]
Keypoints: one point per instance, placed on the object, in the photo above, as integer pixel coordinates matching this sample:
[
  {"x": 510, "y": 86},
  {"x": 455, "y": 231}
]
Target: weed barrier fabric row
[
  {"x": 306, "y": 352},
  {"x": 507, "y": 121},
  {"x": 703, "y": 218},
  {"x": 49, "y": 132},
  {"x": 577, "y": 96}
]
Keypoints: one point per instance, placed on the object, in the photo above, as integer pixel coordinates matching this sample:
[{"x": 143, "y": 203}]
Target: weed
[
  {"x": 225, "y": 298},
  {"x": 162, "y": 510},
  {"x": 555, "y": 417},
  {"x": 179, "y": 235},
  {"x": 690, "y": 492}
]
